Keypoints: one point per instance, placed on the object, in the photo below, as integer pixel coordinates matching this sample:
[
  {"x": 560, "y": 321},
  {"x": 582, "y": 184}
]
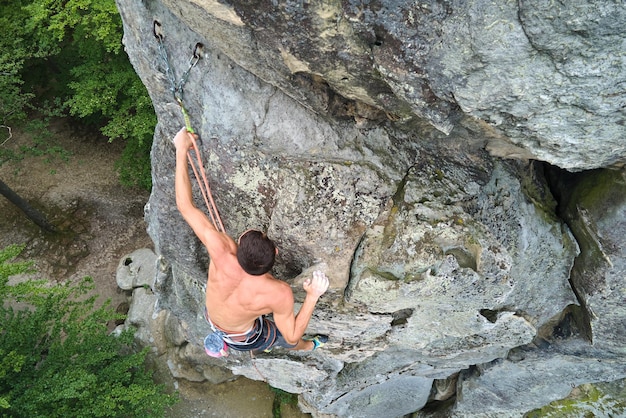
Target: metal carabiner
[
  {"x": 157, "y": 31},
  {"x": 197, "y": 55},
  {"x": 197, "y": 50}
]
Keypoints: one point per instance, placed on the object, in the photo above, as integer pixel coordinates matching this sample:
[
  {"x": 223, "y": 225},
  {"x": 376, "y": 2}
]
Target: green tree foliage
[
  {"x": 281, "y": 399},
  {"x": 66, "y": 57},
  {"x": 57, "y": 358},
  {"x": 14, "y": 50}
]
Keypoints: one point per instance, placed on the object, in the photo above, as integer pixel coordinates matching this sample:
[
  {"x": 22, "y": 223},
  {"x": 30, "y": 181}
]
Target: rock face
[{"x": 365, "y": 138}]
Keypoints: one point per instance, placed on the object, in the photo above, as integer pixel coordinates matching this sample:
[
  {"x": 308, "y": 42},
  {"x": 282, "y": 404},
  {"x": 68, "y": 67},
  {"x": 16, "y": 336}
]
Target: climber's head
[{"x": 256, "y": 252}]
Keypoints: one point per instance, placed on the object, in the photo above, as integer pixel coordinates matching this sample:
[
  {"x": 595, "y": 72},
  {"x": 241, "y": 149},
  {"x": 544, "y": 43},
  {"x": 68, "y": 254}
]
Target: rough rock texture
[
  {"x": 137, "y": 269},
  {"x": 548, "y": 78},
  {"x": 496, "y": 389},
  {"x": 356, "y": 135},
  {"x": 595, "y": 207}
]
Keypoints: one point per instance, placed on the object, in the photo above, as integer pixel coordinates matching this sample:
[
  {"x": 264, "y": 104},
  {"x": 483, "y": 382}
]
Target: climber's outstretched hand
[
  {"x": 183, "y": 139},
  {"x": 317, "y": 285}
]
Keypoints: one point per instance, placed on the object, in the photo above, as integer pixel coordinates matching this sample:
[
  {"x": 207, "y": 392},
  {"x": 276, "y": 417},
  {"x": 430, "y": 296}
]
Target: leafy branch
[{"x": 57, "y": 357}]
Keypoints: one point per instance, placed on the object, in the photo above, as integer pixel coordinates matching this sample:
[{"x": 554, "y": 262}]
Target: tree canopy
[
  {"x": 65, "y": 58},
  {"x": 57, "y": 358}
]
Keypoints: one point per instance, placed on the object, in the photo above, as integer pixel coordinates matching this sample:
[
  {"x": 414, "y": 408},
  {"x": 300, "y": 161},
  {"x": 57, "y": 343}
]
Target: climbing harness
[{"x": 176, "y": 87}]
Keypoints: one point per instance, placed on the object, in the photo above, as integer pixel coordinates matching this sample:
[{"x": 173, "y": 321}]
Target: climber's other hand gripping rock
[{"x": 317, "y": 285}]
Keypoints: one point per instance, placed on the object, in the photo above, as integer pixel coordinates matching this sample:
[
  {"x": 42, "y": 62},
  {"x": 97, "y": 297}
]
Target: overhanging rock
[{"x": 360, "y": 148}]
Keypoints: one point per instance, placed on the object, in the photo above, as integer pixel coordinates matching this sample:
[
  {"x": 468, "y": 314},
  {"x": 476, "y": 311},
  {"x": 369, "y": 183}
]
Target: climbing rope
[
  {"x": 176, "y": 87},
  {"x": 252, "y": 360}
]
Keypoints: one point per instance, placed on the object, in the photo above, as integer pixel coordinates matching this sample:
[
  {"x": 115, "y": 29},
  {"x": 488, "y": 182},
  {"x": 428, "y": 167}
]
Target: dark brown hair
[{"x": 256, "y": 252}]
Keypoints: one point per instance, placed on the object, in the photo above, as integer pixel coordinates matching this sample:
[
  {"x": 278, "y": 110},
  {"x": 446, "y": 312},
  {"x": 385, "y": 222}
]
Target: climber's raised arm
[
  {"x": 216, "y": 243},
  {"x": 293, "y": 326}
]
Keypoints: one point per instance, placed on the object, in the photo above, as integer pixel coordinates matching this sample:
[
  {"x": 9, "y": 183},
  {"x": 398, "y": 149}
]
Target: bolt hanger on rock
[{"x": 176, "y": 87}]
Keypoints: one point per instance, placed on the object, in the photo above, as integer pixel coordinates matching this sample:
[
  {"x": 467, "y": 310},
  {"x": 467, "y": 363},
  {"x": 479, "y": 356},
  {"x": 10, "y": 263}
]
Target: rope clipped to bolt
[
  {"x": 176, "y": 87},
  {"x": 177, "y": 91}
]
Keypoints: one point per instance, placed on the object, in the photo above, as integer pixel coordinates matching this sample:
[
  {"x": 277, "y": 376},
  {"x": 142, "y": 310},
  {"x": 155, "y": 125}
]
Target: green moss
[
  {"x": 534, "y": 186},
  {"x": 390, "y": 230},
  {"x": 587, "y": 199},
  {"x": 384, "y": 274},
  {"x": 282, "y": 398},
  {"x": 598, "y": 191},
  {"x": 584, "y": 401},
  {"x": 465, "y": 258},
  {"x": 414, "y": 276}
]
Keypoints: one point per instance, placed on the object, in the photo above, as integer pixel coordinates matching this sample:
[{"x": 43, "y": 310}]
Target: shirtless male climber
[{"x": 240, "y": 289}]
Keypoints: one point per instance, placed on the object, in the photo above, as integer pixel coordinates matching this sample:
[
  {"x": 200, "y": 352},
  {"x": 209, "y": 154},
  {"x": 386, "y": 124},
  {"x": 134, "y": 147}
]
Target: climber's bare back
[{"x": 234, "y": 298}]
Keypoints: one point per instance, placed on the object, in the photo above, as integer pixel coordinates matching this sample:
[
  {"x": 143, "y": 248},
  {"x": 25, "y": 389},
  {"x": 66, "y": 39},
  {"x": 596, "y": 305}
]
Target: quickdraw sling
[{"x": 176, "y": 87}]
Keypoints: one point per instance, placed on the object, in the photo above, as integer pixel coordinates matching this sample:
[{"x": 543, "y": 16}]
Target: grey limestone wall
[{"x": 368, "y": 139}]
